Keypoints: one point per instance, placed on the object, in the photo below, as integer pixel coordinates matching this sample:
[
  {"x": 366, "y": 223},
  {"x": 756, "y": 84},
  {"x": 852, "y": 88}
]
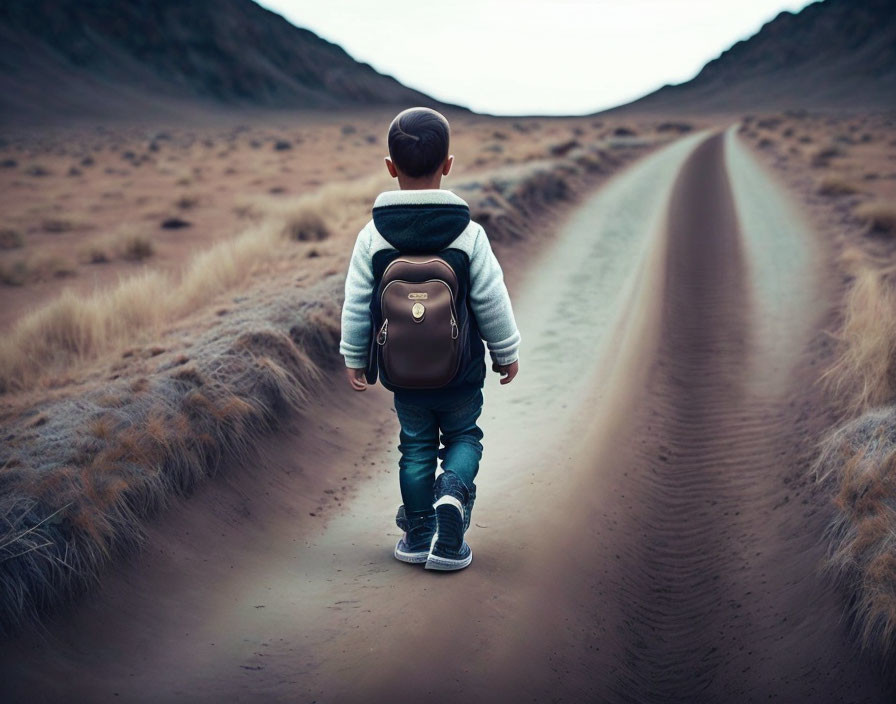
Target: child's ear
[
  {"x": 393, "y": 172},
  {"x": 446, "y": 167}
]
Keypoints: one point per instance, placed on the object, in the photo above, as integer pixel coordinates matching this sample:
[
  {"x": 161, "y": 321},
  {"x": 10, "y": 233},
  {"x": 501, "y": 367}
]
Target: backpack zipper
[{"x": 384, "y": 331}]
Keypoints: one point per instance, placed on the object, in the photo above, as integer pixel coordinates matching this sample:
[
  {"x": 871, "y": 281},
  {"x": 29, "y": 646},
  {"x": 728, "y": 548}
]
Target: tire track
[
  {"x": 690, "y": 486},
  {"x": 705, "y": 616}
]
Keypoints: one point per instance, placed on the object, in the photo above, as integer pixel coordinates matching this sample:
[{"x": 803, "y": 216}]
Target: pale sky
[{"x": 534, "y": 56}]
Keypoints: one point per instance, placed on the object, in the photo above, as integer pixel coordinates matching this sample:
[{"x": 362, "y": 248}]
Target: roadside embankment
[{"x": 89, "y": 458}]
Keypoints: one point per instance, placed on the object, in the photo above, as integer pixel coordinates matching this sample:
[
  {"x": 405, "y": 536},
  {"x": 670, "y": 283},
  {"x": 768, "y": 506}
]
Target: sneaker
[
  {"x": 413, "y": 547},
  {"x": 449, "y": 549}
]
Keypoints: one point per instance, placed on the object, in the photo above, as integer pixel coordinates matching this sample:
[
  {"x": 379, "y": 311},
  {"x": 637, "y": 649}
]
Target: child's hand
[
  {"x": 507, "y": 371},
  {"x": 356, "y": 378}
]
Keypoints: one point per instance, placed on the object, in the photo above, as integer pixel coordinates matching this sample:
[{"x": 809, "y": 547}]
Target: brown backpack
[{"x": 419, "y": 340}]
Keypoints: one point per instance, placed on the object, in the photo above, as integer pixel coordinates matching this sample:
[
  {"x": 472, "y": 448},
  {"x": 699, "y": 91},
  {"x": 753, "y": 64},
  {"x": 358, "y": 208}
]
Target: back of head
[{"x": 418, "y": 141}]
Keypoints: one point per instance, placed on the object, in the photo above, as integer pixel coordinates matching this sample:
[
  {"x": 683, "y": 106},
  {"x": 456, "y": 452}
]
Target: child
[{"x": 422, "y": 218}]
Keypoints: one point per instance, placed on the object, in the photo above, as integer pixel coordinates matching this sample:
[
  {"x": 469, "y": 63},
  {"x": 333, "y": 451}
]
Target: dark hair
[{"x": 418, "y": 141}]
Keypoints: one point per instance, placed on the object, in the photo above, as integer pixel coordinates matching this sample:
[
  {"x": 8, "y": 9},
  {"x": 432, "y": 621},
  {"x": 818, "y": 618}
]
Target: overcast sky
[{"x": 534, "y": 56}]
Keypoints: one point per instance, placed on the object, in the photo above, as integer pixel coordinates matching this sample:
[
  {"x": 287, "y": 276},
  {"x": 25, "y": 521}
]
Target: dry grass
[
  {"x": 862, "y": 458},
  {"x": 11, "y": 239},
  {"x": 78, "y": 484},
  {"x": 861, "y": 455},
  {"x": 504, "y": 202},
  {"x": 41, "y": 267},
  {"x": 73, "y": 328},
  {"x": 187, "y": 202},
  {"x": 129, "y": 244},
  {"x": 137, "y": 248},
  {"x": 821, "y": 156},
  {"x": 834, "y": 185},
  {"x": 307, "y": 226},
  {"x": 880, "y": 217},
  {"x": 59, "y": 225},
  {"x": 865, "y": 373},
  {"x": 15, "y": 273}
]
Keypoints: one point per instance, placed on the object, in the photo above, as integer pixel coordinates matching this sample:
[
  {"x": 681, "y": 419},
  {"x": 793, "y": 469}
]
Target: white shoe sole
[
  {"x": 445, "y": 564},
  {"x": 414, "y": 558}
]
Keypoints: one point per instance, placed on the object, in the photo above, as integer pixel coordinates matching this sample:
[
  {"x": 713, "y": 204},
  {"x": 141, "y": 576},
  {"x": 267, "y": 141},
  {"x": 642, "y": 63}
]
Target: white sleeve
[
  {"x": 354, "y": 345},
  {"x": 491, "y": 303}
]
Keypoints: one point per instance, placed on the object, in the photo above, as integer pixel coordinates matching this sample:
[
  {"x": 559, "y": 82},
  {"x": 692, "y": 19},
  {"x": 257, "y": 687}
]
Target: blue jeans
[{"x": 419, "y": 446}]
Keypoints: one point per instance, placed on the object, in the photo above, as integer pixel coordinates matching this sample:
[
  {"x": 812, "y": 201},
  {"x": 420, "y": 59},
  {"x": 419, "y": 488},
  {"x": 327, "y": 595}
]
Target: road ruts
[{"x": 716, "y": 603}]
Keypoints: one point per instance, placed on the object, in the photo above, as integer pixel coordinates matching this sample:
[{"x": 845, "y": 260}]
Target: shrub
[
  {"x": 175, "y": 223},
  {"x": 11, "y": 239},
  {"x": 187, "y": 202},
  {"x": 832, "y": 185},
  {"x": 563, "y": 148},
  {"x": 14, "y": 274},
  {"x": 861, "y": 458},
  {"x": 57, "y": 226},
  {"x": 822, "y": 156},
  {"x": 137, "y": 248},
  {"x": 879, "y": 217},
  {"x": 677, "y": 127},
  {"x": 50, "y": 266},
  {"x": 306, "y": 226},
  {"x": 769, "y": 123},
  {"x": 94, "y": 253},
  {"x": 865, "y": 371}
]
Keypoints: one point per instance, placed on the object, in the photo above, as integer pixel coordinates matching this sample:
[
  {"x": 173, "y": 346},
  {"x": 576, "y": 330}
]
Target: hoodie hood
[{"x": 420, "y": 221}]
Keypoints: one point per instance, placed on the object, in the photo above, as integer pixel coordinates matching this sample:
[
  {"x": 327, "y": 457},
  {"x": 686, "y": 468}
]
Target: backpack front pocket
[{"x": 418, "y": 339}]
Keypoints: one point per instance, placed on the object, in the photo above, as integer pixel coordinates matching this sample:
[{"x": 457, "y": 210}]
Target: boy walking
[{"x": 422, "y": 292}]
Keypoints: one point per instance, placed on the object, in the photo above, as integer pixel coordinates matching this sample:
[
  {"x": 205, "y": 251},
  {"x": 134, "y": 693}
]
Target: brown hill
[
  {"x": 835, "y": 54},
  {"x": 68, "y": 58}
]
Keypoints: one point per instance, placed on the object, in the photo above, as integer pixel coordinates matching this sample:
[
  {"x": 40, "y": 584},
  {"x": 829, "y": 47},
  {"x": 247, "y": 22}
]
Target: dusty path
[{"x": 642, "y": 533}]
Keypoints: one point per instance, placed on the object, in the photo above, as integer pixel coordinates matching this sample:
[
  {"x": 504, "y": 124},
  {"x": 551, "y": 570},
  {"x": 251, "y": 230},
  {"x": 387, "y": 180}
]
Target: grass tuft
[
  {"x": 306, "y": 226},
  {"x": 11, "y": 239},
  {"x": 137, "y": 248},
  {"x": 15, "y": 273},
  {"x": 862, "y": 457},
  {"x": 880, "y": 217},
  {"x": 865, "y": 372},
  {"x": 833, "y": 185}
]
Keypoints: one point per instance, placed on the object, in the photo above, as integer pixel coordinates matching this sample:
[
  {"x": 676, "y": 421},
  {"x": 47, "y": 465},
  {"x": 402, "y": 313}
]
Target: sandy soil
[
  {"x": 644, "y": 531},
  {"x": 73, "y": 199}
]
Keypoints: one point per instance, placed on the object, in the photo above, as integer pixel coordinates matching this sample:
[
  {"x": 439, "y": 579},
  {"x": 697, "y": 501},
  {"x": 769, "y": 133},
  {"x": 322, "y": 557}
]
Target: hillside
[
  {"x": 70, "y": 58},
  {"x": 834, "y": 54}
]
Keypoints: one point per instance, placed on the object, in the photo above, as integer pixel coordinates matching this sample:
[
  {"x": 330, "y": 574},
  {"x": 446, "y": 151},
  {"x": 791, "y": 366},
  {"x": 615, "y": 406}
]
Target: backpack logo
[
  {"x": 418, "y": 296},
  {"x": 417, "y": 310}
]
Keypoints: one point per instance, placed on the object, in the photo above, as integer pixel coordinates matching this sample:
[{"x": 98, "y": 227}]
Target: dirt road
[{"x": 644, "y": 531}]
